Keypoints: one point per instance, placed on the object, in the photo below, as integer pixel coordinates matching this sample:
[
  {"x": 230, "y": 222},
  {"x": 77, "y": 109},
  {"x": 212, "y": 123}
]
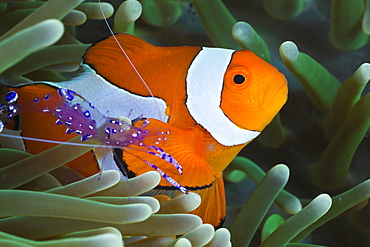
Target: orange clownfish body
[{"x": 214, "y": 100}]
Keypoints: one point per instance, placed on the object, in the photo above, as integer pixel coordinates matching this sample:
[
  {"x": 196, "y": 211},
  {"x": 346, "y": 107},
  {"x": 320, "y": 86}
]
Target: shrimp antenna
[
  {"x": 55, "y": 142},
  {"x": 127, "y": 56}
]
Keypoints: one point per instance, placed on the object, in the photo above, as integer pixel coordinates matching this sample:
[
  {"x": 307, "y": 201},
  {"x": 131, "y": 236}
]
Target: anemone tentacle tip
[{"x": 289, "y": 50}]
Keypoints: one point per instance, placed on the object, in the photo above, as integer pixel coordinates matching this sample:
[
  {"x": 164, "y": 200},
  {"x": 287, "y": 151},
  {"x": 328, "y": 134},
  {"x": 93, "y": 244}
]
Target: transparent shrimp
[{"x": 79, "y": 116}]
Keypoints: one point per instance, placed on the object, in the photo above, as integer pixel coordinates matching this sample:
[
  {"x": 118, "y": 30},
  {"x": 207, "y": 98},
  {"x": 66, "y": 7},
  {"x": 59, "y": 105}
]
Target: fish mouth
[{"x": 274, "y": 92}]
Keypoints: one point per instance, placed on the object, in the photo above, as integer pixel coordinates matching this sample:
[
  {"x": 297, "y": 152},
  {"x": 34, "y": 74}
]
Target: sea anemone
[
  {"x": 320, "y": 134},
  {"x": 94, "y": 211}
]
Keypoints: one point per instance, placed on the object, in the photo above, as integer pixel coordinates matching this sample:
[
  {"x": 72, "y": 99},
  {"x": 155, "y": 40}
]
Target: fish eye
[{"x": 239, "y": 79}]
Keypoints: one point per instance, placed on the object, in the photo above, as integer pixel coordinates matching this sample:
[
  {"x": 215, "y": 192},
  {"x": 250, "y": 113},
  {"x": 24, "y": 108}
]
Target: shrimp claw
[
  {"x": 165, "y": 156},
  {"x": 169, "y": 179}
]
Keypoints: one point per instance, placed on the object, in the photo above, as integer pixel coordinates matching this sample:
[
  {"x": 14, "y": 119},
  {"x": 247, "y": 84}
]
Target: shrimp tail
[
  {"x": 68, "y": 107},
  {"x": 8, "y": 110}
]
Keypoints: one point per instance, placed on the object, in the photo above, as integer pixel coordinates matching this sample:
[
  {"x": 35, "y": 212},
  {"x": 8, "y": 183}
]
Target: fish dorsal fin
[
  {"x": 163, "y": 69},
  {"x": 105, "y": 54}
]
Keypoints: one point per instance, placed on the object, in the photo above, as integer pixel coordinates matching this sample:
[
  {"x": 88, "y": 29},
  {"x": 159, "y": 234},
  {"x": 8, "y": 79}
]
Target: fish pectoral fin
[
  {"x": 198, "y": 175},
  {"x": 182, "y": 146}
]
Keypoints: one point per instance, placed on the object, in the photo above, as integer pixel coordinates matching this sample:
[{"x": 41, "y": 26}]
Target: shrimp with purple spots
[{"x": 81, "y": 117}]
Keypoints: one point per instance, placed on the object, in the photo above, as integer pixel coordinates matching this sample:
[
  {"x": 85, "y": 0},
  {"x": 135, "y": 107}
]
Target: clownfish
[{"x": 214, "y": 102}]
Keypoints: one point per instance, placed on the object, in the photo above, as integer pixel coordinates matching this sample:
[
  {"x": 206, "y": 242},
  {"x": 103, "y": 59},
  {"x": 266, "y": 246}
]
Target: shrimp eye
[{"x": 239, "y": 79}]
